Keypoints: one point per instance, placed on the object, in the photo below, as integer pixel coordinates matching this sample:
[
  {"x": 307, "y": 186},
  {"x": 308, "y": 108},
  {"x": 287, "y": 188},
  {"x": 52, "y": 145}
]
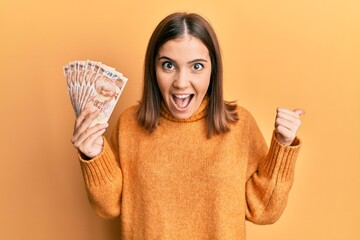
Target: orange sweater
[{"x": 175, "y": 183}]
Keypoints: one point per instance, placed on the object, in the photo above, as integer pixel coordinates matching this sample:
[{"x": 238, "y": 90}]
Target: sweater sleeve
[
  {"x": 270, "y": 177},
  {"x": 103, "y": 179}
]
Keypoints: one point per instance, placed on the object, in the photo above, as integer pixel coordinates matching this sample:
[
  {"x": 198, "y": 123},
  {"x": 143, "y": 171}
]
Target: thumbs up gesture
[{"x": 287, "y": 124}]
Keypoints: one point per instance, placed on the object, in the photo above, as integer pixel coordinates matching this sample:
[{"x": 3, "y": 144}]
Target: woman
[{"x": 185, "y": 164}]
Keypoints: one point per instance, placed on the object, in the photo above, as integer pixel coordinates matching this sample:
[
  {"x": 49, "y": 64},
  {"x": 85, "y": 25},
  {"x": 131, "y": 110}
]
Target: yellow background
[{"x": 276, "y": 53}]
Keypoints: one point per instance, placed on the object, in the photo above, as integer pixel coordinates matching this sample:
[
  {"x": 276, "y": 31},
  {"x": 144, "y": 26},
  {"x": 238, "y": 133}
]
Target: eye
[
  {"x": 198, "y": 66},
  {"x": 167, "y": 65}
]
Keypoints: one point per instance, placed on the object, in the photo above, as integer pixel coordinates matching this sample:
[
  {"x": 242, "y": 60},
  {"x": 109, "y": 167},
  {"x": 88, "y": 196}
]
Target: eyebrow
[{"x": 192, "y": 61}]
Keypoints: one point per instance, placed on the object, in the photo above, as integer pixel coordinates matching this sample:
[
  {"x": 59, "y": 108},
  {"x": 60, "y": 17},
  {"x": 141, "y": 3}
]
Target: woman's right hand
[{"x": 88, "y": 140}]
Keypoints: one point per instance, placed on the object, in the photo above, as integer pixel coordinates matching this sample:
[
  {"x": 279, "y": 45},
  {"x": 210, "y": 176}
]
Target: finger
[
  {"x": 90, "y": 117},
  {"x": 288, "y": 117},
  {"x": 287, "y": 124},
  {"x": 92, "y": 138},
  {"x": 84, "y": 113},
  {"x": 284, "y": 135},
  {"x": 88, "y": 132},
  {"x": 91, "y": 150},
  {"x": 287, "y": 111},
  {"x": 296, "y": 112},
  {"x": 299, "y": 111}
]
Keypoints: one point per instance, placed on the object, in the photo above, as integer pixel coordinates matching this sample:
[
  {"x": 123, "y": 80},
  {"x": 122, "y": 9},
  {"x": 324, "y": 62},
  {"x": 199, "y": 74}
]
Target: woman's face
[{"x": 183, "y": 70}]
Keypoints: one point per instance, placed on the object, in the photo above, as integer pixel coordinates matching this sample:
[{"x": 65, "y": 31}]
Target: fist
[
  {"x": 88, "y": 140},
  {"x": 287, "y": 124}
]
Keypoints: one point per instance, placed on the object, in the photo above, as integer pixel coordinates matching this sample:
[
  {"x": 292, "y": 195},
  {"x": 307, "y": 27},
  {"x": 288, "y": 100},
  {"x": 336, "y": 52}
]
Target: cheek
[
  {"x": 203, "y": 84},
  {"x": 162, "y": 82}
]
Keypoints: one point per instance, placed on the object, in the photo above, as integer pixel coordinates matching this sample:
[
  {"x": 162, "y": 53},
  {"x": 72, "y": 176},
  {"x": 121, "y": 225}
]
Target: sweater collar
[{"x": 199, "y": 114}]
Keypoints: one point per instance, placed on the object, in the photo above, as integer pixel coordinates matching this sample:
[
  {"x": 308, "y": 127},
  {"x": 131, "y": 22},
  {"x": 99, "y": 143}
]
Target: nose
[{"x": 182, "y": 79}]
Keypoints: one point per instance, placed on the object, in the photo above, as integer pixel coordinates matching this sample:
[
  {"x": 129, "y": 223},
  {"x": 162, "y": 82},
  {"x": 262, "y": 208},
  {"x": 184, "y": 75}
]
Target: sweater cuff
[
  {"x": 100, "y": 169},
  {"x": 280, "y": 161}
]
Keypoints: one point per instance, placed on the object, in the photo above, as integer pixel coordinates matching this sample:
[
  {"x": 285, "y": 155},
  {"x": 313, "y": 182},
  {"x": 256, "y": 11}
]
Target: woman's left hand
[{"x": 287, "y": 123}]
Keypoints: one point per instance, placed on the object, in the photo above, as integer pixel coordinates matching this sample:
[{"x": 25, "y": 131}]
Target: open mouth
[{"x": 182, "y": 101}]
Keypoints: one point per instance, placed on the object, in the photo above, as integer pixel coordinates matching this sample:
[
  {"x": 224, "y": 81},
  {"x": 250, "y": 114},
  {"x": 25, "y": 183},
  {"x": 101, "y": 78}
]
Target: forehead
[{"x": 186, "y": 46}]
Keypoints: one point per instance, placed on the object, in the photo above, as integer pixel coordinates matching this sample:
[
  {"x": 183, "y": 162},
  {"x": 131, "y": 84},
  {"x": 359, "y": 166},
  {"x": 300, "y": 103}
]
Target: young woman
[{"x": 184, "y": 163}]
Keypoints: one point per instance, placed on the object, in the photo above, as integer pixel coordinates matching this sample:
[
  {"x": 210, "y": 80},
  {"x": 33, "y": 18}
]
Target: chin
[{"x": 182, "y": 115}]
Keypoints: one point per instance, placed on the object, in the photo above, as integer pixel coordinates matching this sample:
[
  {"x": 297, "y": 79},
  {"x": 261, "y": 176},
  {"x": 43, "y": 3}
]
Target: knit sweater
[{"x": 175, "y": 183}]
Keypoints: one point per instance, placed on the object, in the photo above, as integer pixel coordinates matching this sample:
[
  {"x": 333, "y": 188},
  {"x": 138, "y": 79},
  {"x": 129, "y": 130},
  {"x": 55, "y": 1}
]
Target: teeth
[{"x": 182, "y": 95}]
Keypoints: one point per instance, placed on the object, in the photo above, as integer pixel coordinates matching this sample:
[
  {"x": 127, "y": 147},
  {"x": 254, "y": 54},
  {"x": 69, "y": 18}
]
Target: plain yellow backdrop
[{"x": 276, "y": 53}]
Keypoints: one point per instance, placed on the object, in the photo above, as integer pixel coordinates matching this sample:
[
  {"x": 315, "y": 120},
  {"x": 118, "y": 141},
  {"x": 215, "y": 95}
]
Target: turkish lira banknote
[{"x": 91, "y": 84}]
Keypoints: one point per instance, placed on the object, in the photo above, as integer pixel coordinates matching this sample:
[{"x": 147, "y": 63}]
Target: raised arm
[
  {"x": 99, "y": 164},
  {"x": 271, "y": 173}
]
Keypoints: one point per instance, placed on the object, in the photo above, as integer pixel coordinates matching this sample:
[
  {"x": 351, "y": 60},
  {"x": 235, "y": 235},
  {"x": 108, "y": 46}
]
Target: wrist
[{"x": 84, "y": 156}]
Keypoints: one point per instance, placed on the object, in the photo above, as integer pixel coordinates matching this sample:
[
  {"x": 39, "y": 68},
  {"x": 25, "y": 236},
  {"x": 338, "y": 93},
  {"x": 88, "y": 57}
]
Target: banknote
[{"x": 92, "y": 84}]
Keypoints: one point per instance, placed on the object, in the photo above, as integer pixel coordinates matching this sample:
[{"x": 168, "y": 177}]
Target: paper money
[{"x": 94, "y": 85}]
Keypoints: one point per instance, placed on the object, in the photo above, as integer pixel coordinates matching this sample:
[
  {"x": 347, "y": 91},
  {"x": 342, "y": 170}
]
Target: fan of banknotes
[{"x": 95, "y": 85}]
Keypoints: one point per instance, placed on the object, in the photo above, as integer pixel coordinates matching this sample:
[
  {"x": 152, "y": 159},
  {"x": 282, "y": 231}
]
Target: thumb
[{"x": 299, "y": 111}]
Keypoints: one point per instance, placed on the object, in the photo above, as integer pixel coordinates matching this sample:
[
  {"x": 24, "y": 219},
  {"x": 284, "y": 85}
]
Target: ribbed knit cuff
[
  {"x": 101, "y": 169},
  {"x": 280, "y": 161}
]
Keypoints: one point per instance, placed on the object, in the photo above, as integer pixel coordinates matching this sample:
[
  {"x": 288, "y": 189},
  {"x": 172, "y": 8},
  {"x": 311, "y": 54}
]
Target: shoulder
[
  {"x": 246, "y": 122},
  {"x": 127, "y": 120},
  {"x": 244, "y": 114},
  {"x": 234, "y": 108},
  {"x": 128, "y": 124},
  {"x": 129, "y": 112},
  {"x": 128, "y": 117}
]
